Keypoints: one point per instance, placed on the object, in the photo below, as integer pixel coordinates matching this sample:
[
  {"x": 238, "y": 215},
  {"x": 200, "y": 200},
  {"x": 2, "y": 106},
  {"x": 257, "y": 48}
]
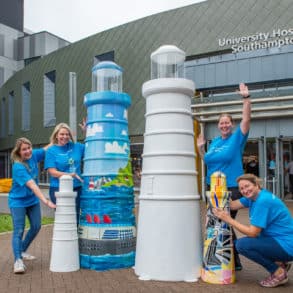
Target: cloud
[
  {"x": 109, "y": 115},
  {"x": 116, "y": 148},
  {"x": 91, "y": 131},
  {"x": 125, "y": 114}
]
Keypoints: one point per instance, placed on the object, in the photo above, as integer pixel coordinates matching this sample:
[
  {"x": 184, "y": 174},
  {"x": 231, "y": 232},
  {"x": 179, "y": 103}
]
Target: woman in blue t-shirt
[
  {"x": 64, "y": 157},
  {"x": 269, "y": 240},
  {"x": 225, "y": 151},
  {"x": 24, "y": 198}
]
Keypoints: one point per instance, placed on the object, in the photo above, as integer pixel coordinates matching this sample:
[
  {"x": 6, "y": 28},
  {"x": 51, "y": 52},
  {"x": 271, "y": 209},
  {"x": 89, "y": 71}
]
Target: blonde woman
[
  {"x": 64, "y": 157},
  {"x": 269, "y": 240},
  {"x": 23, "y": 199}
]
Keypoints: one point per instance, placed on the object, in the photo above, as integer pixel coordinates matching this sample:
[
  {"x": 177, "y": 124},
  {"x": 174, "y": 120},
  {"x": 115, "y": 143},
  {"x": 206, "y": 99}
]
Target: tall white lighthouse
[{"x": 169, "y": 242}]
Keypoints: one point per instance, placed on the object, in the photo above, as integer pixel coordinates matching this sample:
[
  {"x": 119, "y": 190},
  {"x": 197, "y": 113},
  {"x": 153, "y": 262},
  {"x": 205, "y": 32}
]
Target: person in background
[
  {"x": 252, "y": 167},
  {"x": 23, "y": 199},
  {"x": 289, "y": 169},
  {"x": 272, "y": 166},
  {"x": 225, "y": 151},
  {"x": 269, "y": 240},
  {"x": 64, "y": 157}
]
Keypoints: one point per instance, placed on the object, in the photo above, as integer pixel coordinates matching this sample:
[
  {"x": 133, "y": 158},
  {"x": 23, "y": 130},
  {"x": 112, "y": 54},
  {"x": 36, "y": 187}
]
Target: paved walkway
[{"x": 39, "y": 278}]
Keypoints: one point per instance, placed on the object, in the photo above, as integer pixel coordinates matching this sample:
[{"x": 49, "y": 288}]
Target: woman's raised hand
[
  {"x": 200, "y": 141},
  {"x": 243, "y": 90},
  {"x": 82, "y": 125}
]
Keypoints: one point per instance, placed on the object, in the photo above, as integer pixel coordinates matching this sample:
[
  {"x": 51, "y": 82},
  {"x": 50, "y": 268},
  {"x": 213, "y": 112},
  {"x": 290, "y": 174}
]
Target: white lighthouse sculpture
[
  {"x": 64, "y": 253},
  {"x": 169, "y": 242}
]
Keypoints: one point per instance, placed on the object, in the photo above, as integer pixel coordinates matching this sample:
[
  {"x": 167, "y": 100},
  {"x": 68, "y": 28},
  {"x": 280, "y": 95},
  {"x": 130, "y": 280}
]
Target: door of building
[{"x": 271, "y": 155}]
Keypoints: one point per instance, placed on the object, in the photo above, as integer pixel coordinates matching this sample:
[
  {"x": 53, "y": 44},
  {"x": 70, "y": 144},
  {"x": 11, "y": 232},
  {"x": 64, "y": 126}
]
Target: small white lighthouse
[{"x": 169, "y": 242}]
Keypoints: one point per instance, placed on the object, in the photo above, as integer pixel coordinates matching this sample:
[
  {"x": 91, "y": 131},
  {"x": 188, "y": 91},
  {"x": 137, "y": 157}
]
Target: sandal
[{"x": 274, "y": 281}]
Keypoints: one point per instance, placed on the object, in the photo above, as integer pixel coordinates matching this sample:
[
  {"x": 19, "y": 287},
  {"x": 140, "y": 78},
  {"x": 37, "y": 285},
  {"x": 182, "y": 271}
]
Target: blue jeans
[
  {"x": 78, "y": 189},
  {"x": 264, "y": 251},
  {"x": 33, "y": 213}
]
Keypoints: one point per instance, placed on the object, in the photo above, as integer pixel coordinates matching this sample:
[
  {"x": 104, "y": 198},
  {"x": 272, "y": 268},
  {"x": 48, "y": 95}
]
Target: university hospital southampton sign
[{"x": 275, "y": 38}]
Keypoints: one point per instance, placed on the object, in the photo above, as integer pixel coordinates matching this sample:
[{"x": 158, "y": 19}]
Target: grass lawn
[{"x": 6, "y": 222}]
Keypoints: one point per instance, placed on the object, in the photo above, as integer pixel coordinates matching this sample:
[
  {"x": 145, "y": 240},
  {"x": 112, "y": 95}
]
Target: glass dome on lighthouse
[
  {"x": 167, "y": 62},
  {"x": 107, "y": 76}
]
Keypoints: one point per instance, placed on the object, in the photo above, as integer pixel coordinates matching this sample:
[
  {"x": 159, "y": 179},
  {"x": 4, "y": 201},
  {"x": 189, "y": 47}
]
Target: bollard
[
  {"x": 218, "y": 259},
  {"x": 64, "y": 253},
  {"x": 169, "y": 243}
]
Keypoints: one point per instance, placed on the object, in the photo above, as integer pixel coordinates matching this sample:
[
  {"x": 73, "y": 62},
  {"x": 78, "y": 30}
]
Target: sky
[{"x": 74, "y": 20}]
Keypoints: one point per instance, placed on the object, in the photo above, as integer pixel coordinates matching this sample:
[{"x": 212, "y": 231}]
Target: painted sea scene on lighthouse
[{"x": 107, "y": 231}]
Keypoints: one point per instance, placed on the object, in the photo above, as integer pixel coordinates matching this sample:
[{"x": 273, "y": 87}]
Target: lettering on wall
[{"x": 276, "y": 38}]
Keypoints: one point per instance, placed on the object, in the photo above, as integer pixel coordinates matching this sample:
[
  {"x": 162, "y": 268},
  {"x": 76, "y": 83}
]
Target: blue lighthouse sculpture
[{"x": 107, "y": 232}]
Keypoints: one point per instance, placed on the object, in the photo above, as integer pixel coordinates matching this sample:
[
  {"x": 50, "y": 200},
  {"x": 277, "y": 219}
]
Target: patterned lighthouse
[
  {"x": 107, "y": 232},
  {"x": 169, "y": 243},
  {"x": 218, "y": 256}
]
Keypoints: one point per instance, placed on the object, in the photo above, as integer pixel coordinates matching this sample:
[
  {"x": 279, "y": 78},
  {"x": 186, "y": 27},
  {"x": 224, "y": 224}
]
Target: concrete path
[{"x": 39, "y": 278}]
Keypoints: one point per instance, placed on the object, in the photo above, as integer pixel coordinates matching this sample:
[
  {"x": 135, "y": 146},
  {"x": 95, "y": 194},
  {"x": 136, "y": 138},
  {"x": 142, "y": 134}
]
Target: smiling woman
[
  {"x": 269, "y": 240},
  {"x": 23, "y": 199},
  {"x": 225, "y": 152},
  {"x": 64, "y": 157}
]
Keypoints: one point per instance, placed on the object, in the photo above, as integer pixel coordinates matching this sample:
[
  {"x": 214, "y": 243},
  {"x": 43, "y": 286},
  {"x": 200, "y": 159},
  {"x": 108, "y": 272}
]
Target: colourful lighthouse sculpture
[
  {"x": 218, "y": 260},
  {"x": 107, "y": 232},
  {"x": 169, "y": 243}
]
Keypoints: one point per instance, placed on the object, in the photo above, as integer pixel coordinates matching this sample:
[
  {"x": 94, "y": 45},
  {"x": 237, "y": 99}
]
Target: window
[
  {"x": 30, "y": 60},
  {"x": 26, "y": 107},
  {"x": 49, "y": 99},
  {"x": 11, "y": 113},
  {"x": 2, "y": 45},
  {"x": 3, "y": 118},
  {"x": 1, "y": 76},
  {"x": 109, "y": 56}
]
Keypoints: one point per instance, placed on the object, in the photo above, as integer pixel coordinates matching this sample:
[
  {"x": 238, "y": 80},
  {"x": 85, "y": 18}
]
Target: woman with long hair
[
  {"x": 64, "y": 157},
  {"x": 24, "y": 199}
]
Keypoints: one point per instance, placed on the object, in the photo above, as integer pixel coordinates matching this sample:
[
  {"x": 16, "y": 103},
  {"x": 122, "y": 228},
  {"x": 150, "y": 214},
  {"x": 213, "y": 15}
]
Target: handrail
[
  {"x": 273, "y": 110},
  {"x": 239, "y": 102},
  {"x": 258, "y": 109},
  {"x": 253, "y": 116}
]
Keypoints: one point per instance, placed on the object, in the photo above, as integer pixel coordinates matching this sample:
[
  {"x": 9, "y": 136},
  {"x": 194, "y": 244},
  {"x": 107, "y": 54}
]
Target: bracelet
[{"x": 246, "y": 97}]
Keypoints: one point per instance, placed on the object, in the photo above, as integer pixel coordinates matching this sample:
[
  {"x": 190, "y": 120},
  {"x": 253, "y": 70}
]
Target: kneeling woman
[{"x": 270, "y": 232}]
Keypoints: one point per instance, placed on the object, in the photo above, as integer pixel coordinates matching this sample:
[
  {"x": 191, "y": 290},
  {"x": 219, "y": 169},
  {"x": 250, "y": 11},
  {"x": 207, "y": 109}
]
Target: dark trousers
[
  {"x": 291, "y": 182},
  {"x": 235, "y": 194}
]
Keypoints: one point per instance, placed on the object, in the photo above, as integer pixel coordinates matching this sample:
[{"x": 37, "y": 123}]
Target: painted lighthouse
[{"x": 107, "y": 232}]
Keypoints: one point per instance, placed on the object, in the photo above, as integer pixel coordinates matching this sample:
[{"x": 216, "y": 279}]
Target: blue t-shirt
[
  {"x": 225, "y": 155},
  {"x": 270, "y": 214},
  {"x": 67, "y": 158},
  {"x": 20, "y": 195}
]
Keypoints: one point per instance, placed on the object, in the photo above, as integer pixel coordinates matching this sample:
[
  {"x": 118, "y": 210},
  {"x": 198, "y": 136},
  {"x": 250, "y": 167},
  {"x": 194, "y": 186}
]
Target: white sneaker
[
  {"x": 19, "y": 267},
  {"x": 27, "y": 256}
]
